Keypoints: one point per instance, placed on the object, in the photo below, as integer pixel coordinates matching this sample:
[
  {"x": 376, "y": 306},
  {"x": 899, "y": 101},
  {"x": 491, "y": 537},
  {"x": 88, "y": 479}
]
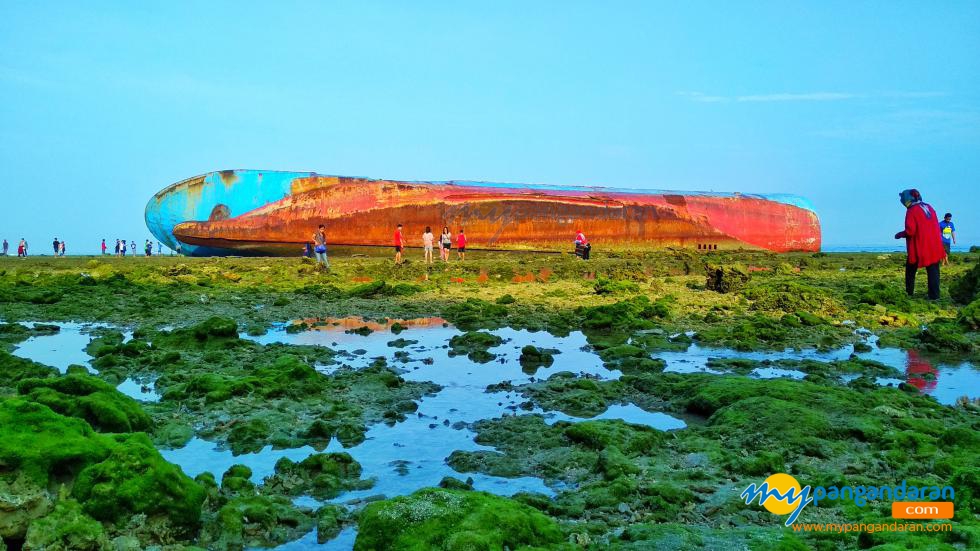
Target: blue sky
[{"x": 846, "y": 103}]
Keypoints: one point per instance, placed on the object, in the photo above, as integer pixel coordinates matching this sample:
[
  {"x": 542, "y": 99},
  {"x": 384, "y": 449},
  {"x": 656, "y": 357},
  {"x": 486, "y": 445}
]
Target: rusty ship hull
[{"x": 255, "y": 213}]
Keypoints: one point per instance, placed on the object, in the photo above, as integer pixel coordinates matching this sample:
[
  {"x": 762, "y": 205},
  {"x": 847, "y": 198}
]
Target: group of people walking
[
  {"x": 121, "y": 248},
  {"x": 317, "y": 246},
  {"x": 445, "y": 242},
  {"x": 21, "y": 248}
]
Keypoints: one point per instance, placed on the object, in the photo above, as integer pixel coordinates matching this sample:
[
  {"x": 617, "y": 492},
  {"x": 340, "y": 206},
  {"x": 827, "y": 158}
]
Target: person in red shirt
[
  {"x": 399, "y": 244},
  {"x": 461, "y": 245},
  {"x": 923, "y": 241},
  {"x": 582, "y": 247}
]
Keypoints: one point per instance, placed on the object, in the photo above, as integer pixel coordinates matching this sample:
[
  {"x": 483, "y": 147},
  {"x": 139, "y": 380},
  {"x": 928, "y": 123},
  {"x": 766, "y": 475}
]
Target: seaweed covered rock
[
  {"x": 14, "y": 369},
  {"x": 605, "y": 286},
  {"x": 966, "y": 288},
  {"x": 321, "y": 475},
  {"x": 474, "y": 313},
  {"x": 259, "y": 521},
  {"x": 626, "y": 315},
  {"x": 66, "y": 528},
  {"x": 382, "y": 288},
  {"x": 452, "y": 519},
  {"x": 944, "y": 335},
  {"x": 237, "y": 481},
  {"x": 328, "y": 522},
  {"x": 215, "y": 328},
  {"x": 248, "y": 436},
  {"x": 475, "y": 345},
  {"x": 533, "y": 357},
  {"x": 726, "y": 279},
  {"x": 135, "y": 479},
  {"x": 970, "y": 316},
  {"x": 750, "y": 332},
  {"x": 89, "y": 398},
  {"x": 43, "y": 445}
]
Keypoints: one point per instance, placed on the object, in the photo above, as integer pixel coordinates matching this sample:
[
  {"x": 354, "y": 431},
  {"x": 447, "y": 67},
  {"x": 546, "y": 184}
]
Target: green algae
[
  {"x": 15, "y": 369},
  {"x": 822, "y": 434},
  {"x": 88, "y": 398},
  {"x": 134, "y": 479},
  {"x": 45, "y": 446},
  {"x": 474, "y": 345},
  {"x": 966, "y": 287},
  {"x": 258, "y": 521},
  {"x": 453, "y": 520},
  {"x": 322, "y": 475},
  {"x": 329, "y": 521},
  {"x": 623, "y": 496},
  {"x": 726, "y": 279},
  {"x": 533, "y": 358},
  {"x": 112, "y": 477},
  {"x": 66, "y": 528}
]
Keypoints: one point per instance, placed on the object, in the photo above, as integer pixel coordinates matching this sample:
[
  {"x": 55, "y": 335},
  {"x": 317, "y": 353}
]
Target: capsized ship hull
[{"x": 250, "y": 212}]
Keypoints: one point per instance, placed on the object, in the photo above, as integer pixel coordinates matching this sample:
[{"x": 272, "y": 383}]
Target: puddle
[
  {"x": 775, "y": 372},
  {"x": 343, "y": 542},
  {"x": 139, "y": 391},
  {"x": 200, "y": 455},
  {"x": 59, "y": 350},
  {"x": 629, "y": 413},
  {"x": 946, "y": 382},
  {"x": 411, "y": 454}
]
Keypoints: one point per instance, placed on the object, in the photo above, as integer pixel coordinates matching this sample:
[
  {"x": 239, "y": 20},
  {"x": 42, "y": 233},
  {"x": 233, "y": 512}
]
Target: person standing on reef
[
  {"x": 61, "y": 249},
  {"x": 399, "y": 244},
  {"x": 923, "y": 241},
  {"x": 427, "y": 239},
  {"x": 949, "y": 235},
  {"x": 461, "y": 245},
  {"x": 320, "y": 246},
  {"x": 6, "y": 247},
  {"x": 132, "y": 247},
  {"x": 582, "y": 247},
  {"x": 22, "y": 248},
  {"x": 178, "y": 249},
  {"x": 159, "y": 248},
  {"x": 445, "y": 244},
  {"x": 103, "y": 247},
  {"x": 57, "y": 246}
]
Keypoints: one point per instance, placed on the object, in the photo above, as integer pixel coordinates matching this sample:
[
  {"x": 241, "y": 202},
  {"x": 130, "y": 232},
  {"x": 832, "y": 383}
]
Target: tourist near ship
[{"x": 253, "y": 213}]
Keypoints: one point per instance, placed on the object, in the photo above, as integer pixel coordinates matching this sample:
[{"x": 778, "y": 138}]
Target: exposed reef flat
[{"x": 510, "y": 401}]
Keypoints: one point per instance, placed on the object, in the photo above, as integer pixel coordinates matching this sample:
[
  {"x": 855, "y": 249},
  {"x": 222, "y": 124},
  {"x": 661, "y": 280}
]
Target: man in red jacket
[{"x": 923, "y": 240}]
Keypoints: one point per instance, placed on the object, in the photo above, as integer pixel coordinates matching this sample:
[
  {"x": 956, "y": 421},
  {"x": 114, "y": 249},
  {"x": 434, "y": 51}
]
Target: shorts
[
  {"x": 320, "y": 249},
  {"x": 947, "y": 246},
  {"x": 461, "y": 249},
  {"x": 428, "y": 248},
  {"x": 398, "y": 248},
  {"x": 447, "y": 246}
]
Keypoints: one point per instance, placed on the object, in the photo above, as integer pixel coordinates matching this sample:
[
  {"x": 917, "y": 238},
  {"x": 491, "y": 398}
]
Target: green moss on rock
[
  {"x": 67, "y": 528},
  {"x": 89, "y": 398},
  {"x": 453, "y": 520},
  {"x": 135, "y": 479}
]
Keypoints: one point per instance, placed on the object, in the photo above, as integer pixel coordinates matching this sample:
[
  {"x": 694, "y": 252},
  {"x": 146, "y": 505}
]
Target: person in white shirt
[{"x": 427, "y": 239}]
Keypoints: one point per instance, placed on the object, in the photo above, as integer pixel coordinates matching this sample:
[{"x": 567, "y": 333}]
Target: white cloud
[
  {"x": 811, "y": 96},
  {"x": 805, "y": 96}
]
